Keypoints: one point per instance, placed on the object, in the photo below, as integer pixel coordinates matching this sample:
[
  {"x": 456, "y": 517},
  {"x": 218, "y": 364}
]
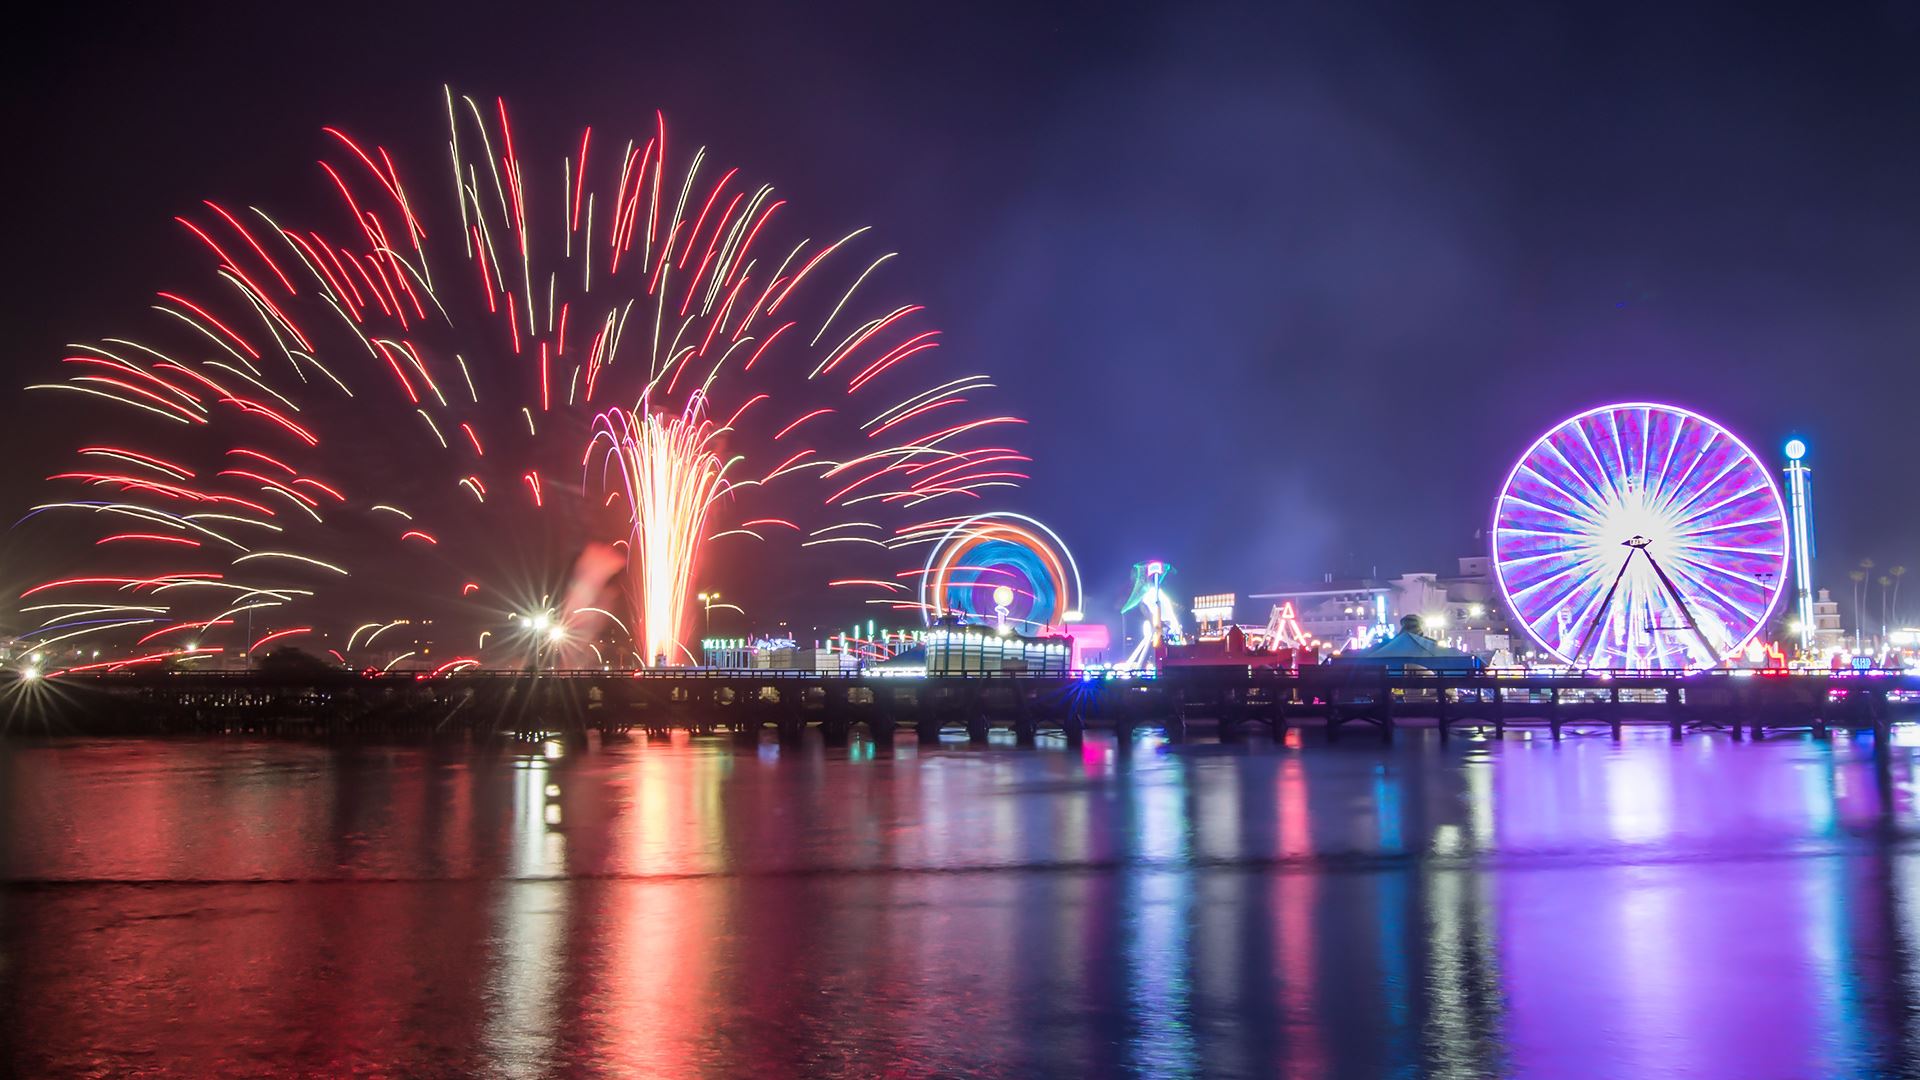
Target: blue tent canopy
[{"x": 1410, "y": 649}]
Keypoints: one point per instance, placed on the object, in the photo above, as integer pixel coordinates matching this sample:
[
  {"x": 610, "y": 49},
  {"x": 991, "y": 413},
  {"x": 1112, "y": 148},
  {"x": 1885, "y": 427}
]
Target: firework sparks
[{"x": 397, "y": 385}]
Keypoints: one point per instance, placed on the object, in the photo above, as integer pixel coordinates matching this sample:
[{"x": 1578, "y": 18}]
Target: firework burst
[{"x": 387, "y": 402}]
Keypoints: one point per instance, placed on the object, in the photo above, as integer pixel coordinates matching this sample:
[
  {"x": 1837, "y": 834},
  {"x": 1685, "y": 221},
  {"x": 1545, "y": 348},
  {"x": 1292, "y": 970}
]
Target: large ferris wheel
[{"x": 1640, "y": 536}]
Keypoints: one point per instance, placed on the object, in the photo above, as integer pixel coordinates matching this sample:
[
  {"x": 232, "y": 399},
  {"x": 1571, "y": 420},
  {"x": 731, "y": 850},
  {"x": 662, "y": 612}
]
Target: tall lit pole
[
  {"x": 706, "y": 603},
  {"x": 1799, "y": 496}
]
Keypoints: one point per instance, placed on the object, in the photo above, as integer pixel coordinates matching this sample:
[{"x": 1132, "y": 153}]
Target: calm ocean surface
[{"x": 685, "y": 908}]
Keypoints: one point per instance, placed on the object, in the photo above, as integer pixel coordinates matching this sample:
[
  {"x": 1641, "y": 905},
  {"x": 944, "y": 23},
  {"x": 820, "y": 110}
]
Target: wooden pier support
[{"x": 977, "y": 727}]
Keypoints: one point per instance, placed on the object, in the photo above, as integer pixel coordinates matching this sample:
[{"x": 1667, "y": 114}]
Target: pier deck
[{"x": 1226, "y": 701}]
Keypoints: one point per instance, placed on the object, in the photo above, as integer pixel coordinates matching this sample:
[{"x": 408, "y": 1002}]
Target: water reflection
[{"x": 673, "y": 906}]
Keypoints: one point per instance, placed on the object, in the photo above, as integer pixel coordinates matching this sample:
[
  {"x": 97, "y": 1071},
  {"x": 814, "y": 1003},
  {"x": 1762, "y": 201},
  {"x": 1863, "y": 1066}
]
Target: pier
[{"x": 1226, "y": 703}]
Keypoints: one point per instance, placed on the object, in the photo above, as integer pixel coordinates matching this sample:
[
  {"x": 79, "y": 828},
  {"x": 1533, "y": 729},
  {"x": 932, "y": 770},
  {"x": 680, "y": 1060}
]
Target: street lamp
[
  {"x": 544, "y": 633},
  {"x": 706, "y": 602}
]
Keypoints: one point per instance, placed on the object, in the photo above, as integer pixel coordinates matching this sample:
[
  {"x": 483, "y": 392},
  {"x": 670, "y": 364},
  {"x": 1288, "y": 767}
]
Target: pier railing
[{"x": 1225, "y": 699}]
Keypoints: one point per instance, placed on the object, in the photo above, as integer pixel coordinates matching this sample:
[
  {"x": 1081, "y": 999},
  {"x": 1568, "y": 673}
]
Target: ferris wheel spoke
[
  {"x": 1722, "y": 504},
  {"x": 1591, "y": 613},
  {"x": 1583, "y": 577},
  {"x": 1542, "y": 508},
  {"x": 1658, "y": 493},
  {"x": 1599, "y": 472},
  {"x": 1700, "y": 572},
  {"x": 1583, "y": 512},
  {"x": 1577, "y": 506},
  {"x": 1509, "y": 530},
  {"x": 1573, "y": 567},
  {"x": 1699, "y": 583},
  {"x": 1709, "y": 556},
  {"x": 1624, "y": 472},
  {"x": 1595, "y": 498},
  {"x": 1710, "y": 488},
  {"x": 1748, "y": 523},
  {"x": 1646, "y": 437},
  {"x": 1596, "y": 475},
  {"x": 1731, "y": 577},
  {"x": 1529, "y": 560},
  {"x": 1681, "y": 486}
]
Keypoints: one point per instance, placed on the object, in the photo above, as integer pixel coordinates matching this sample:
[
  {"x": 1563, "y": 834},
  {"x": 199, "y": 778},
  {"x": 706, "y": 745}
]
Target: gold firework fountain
[{"x": 671, "y": 477}]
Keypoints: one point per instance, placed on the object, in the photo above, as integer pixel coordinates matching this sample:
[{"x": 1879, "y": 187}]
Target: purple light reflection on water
[{"x": 1713, "y": 908}]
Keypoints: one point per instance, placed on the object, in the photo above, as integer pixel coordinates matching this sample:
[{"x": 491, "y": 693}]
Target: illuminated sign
[{"x": 1214, "y": 607}]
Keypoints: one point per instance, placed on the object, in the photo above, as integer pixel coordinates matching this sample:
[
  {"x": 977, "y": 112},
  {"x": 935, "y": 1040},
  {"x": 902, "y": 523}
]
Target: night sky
[{"x": 1282, "y": 293}]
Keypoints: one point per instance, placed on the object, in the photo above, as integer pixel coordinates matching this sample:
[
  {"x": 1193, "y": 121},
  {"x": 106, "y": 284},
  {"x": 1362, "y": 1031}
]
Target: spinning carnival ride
[
  {"x": 1640, "y": 536},
  {"x": 1162, "y": 624},
  {"x": 1003, "y": 570}
]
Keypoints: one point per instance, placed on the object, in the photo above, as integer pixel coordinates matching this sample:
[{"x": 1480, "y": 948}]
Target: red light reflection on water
[{"x": 680, "y": 907}]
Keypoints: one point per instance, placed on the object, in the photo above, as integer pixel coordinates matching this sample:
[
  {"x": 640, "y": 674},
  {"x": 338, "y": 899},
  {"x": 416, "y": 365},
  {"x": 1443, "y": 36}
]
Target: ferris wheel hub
[{"x": 1636, "y": 542}]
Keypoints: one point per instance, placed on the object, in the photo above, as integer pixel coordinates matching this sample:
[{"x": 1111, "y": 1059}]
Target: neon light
[
  {"x": 977, "y": 556},
  {"x": 1800, "y": 496}
]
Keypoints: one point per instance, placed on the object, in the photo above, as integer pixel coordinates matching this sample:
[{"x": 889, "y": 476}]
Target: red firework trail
[{"x": 339, "y": 401}]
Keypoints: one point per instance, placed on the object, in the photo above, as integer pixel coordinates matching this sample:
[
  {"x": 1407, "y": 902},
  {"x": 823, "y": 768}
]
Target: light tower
[{"x": 1800, "y": 503}]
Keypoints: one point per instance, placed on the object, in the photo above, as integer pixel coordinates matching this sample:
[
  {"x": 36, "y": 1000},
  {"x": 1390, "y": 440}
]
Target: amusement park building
[
  {"x": 1828, "y": 634},
  {"x": 1463, "y": 608}
]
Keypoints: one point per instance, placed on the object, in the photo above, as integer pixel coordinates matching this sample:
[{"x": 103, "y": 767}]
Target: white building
[
  {"x": 1462, "y": 610},
  {"x": 1828, "y": 634}
]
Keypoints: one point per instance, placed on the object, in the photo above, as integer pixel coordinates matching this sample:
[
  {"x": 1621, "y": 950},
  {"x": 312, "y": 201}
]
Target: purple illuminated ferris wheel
[{"x": 1640, "y": 536}]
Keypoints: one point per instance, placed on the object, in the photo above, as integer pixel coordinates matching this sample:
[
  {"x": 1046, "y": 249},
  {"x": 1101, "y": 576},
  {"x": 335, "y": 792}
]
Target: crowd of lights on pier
[
  {"x": 1640, "y": 536},
  {"x": 1003, "y": 570},
  {"x": 624, "y": 360}
]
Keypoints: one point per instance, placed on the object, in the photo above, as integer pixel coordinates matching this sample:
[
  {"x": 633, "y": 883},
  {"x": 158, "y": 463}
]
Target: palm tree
[
  {"x": 1898, "y": 572},
  {"x": 1867, "y": 566},
  {"x": 1885, "y": 581},
  {"x": 1859, "y": 579}
]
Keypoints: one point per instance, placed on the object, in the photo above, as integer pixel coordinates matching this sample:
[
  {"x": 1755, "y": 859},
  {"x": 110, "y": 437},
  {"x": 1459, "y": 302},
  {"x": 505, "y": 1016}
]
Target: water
[{"x": 681, "y": 907}]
